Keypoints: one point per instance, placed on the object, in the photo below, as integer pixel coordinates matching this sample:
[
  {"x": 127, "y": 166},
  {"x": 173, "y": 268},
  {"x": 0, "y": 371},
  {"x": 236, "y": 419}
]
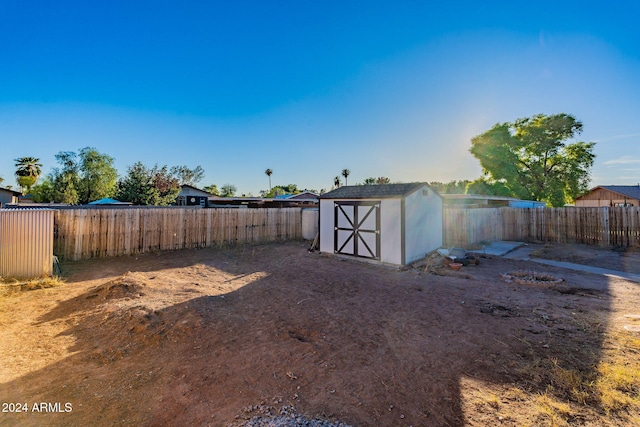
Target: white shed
[{"x": 391, "y": 223}]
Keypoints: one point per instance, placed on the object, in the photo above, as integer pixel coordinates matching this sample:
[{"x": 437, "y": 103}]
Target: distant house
[
  {"x": 261, "y": 202},
  {"x": 482, "y": 201},
  {"x": 610, "y": 195},
  {"x": 192, "y": 196},
  {"x": 8, "y": 196}
]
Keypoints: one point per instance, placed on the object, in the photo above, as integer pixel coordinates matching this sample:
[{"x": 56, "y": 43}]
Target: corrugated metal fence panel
[{"x": 26, "y": 243}]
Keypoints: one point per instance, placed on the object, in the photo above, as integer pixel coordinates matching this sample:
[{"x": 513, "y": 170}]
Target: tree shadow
[{"x": 365, "y": 344}]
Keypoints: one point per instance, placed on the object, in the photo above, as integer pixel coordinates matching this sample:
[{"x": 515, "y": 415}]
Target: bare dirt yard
[{"x": 233, "y": 336}]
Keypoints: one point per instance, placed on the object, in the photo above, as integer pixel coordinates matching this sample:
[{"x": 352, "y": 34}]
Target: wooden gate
[{"x": 357, "y": 228}]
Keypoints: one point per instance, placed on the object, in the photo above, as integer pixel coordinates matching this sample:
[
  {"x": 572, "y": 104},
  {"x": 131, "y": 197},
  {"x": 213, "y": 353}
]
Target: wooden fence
[
  {"x": 89, "y": 233},
  {"x": 610, "y": 226}
]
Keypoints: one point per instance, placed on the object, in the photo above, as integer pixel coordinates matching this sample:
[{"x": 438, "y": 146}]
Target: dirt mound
[{"x": 129, "y": 285}]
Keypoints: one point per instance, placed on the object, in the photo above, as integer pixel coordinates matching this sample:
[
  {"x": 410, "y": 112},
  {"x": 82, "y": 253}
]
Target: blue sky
[{"x": 308, "y": 88}]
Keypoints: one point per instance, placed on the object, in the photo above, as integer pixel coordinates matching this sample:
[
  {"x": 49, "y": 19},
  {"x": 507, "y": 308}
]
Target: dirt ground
[{"x": 219, "y": 336}]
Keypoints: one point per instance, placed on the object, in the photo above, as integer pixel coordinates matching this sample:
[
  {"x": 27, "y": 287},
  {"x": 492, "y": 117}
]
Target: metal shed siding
[
  {"x": 423, "y": 223},
  {"x": 326, "y": 226},
  {"x": 391, "y": 231},
  {"x": 26, "y": 243}
]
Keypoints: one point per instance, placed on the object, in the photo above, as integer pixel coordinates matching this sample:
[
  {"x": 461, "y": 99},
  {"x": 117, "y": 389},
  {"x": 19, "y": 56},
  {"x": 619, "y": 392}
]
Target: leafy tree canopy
[
  {"x": 228, "y": 190},
  {"x": 213, "y": 189},
  {"x": 281, "y": 189},
  {"x": 485, "y": 187},
  {"x": 28, "y": 169},
  {"x": 81, "y": 178},
  {"x": 45, "y": 191},
  {"x": 148, "y": 186},
  {"x": 451, "y": 187},
  {"x": 98, "y": 175},
  {"x": 188, "y": 176},
  {"x": 379, "y": 180},
  {"x": 531, "y": 158}
]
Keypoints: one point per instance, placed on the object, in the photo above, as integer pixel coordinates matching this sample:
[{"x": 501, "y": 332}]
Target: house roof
[
  {"x": 195, "y": 188},
  {"x": 630, "y": 191},
  {"x": 15, "y": 193},
  {"x": 380, "y": 191},
  {"x": 305, "y": 195}
]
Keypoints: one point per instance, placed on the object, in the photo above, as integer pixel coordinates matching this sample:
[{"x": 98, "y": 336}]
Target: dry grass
[
  {"x": 618, "y": 382},
  {"x": 559, "y": 393},
  {"x": 15, "y": 286}
]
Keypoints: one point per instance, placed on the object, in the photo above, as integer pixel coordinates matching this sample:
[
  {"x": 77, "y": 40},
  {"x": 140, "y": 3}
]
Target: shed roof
[
  {"x": 379, "y": 191},
  {"x": 630, "y": 191}
]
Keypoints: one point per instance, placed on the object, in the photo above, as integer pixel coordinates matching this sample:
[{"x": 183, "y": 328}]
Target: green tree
[
  {"x": 137, "y": 186},
  {"x": 28, "y": 169},
  {"x": 531, "y": 158},
  {"x": 336, "y": 182},
  {"x": 281, "y": 189},
  {"x": 228, "y": 190},
  {"x": 269, "y": 172},
  {"x": 212, "y": 189},
  {"x": 188, "y": 176},
  {"x": 98, "y": 175},
  {"x": 377, "y": 181},
  {"x": 486, "y": 188},
  {"x": 166, "y": 184},
  {"x": 66, "y": 179},
  {"x": 145, "y": 186},
  {"x": 45, "y": 191},
  {"x": 451, "y": 187},
  {"x": 346, "y": 173}
]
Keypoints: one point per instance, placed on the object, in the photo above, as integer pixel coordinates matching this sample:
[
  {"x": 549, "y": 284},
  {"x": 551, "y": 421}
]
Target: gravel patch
[{"x": 269, "y": 416}]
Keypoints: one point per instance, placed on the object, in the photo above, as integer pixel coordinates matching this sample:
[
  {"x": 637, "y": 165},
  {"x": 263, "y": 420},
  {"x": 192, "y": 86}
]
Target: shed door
[{"x": 357, "y": 228}]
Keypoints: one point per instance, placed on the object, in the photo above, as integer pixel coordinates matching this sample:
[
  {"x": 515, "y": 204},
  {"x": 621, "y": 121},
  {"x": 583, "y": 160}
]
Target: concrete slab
[
  {"x": 523, "y": 253},
  {"x": 500, "y": 248}
]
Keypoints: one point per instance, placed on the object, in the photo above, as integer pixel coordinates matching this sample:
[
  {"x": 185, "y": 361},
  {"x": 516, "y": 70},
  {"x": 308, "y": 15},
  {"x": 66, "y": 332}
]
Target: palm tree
[
  {"x": 336, "y": 181},
  {"x": 28, "y": 169},
  {"x": 345, "y": 173},
  {"x": 268, "y": 172}
]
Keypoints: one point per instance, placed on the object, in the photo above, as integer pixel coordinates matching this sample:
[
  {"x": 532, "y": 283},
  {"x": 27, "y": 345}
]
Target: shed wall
[
  {"x": 423, "y": 224},
  {"x": 391, "y": 231},
  {"x": 326, "y": 226}
]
